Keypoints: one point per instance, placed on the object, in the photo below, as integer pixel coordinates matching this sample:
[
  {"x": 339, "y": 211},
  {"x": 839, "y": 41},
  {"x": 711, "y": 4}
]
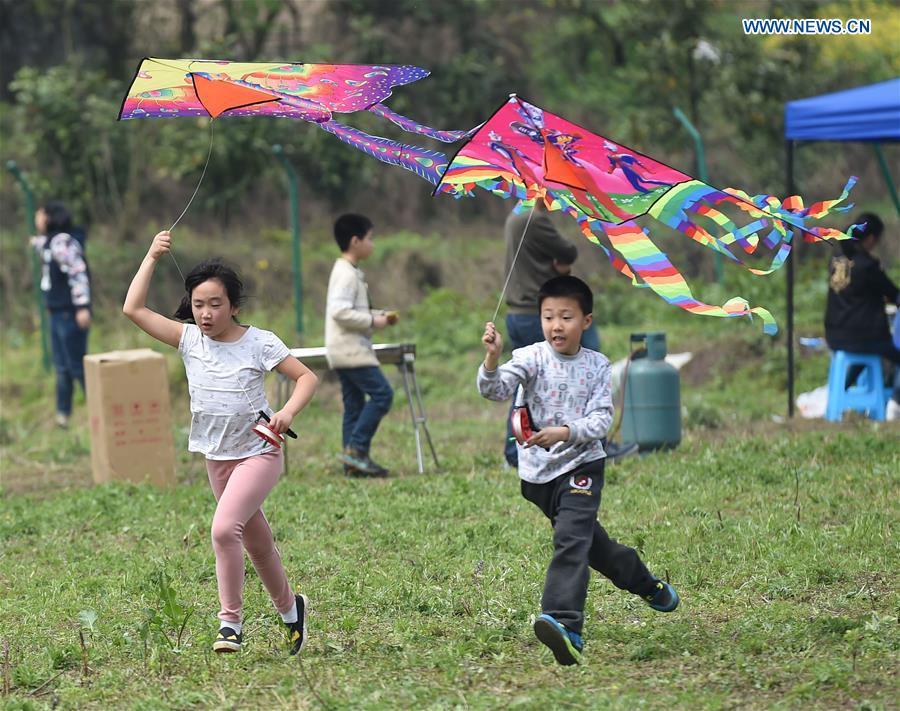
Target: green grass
[
  {"x": 781, "y": 538},
  {"x": 783, "y": 546}
]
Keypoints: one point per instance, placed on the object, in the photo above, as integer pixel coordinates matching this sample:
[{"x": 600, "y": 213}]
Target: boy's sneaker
[
  {"x": 352, "y": 459},
  {"x": 663, "y": 598},
  {"x": 565, "y": 644},
  {"x": 227, "y": 641},
  {"x": 357, "y": 464},
  {"x": 297, "y": 630}
]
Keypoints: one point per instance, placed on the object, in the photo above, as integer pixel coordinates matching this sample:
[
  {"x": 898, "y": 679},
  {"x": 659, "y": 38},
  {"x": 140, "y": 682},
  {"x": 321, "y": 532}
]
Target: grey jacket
[
  {"x": 575, "y": 391},
  {"x": 534, "y": 265}
]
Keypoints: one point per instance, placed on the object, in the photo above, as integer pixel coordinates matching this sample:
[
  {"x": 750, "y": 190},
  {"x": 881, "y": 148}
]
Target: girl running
[{"x": 226, "y": 363}]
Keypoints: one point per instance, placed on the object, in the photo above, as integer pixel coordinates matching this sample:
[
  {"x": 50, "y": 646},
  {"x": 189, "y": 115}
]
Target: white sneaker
[{"x": 892, "y": 413}]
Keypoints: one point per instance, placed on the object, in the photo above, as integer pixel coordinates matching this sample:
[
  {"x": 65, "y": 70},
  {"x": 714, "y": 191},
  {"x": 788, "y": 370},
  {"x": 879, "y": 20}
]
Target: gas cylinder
[{"x": 651, "y": 408}]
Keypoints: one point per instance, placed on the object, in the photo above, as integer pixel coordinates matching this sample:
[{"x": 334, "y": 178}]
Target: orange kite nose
[
  {"x": 218, "y": 96},
  {"x": 558, "y": 169}
]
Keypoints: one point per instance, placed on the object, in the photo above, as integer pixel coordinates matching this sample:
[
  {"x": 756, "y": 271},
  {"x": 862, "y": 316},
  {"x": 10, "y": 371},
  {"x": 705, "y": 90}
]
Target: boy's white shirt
[
  {"x": 348, "y": 318},
  {"x": 560, "y": 390}
]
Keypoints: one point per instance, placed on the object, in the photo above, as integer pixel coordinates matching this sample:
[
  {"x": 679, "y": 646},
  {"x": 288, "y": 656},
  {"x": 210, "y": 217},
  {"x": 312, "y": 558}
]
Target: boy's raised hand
[
  {"x": 493, "y": 345},
  {"x": 162, "y": 244}
]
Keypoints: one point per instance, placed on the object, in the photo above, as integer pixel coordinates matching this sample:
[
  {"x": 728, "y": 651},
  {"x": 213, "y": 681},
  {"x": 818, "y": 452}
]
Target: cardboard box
[{"x": 131, "y": 421}]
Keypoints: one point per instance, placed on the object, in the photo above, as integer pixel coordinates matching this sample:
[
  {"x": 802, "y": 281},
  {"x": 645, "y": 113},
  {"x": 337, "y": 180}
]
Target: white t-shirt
[{"x": 226, "y": 381}]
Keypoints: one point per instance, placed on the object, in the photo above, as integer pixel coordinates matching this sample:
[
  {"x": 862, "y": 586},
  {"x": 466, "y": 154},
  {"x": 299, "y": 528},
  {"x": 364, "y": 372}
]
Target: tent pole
[
  {"x": 886, "y": 174},
  {"x": 789, "y": 298}
]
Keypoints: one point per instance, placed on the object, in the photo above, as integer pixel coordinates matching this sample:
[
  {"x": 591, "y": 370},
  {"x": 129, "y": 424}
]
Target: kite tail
[
  {"x": 427, "y": 164},
  {"x": 411, "y": 126},
  {"x": 792, "y": 212},
  {"x": 653, "y": 267},
  {"x": 466, "y": 175},
  {"x": 637, "y": 257},
  {"x": 690, "y": 207}
]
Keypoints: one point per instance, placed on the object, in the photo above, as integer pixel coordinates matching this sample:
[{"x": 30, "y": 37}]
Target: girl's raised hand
[{"x": 161, "y": 244}]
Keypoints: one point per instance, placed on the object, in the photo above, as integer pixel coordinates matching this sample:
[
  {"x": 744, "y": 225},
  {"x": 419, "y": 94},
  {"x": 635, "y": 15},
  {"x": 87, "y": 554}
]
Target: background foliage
[{"x": 616, "y": 67}]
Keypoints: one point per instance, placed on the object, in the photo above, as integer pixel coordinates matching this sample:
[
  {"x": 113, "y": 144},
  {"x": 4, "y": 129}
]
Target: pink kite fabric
[
  {"x": 527, "y": 153},
  {"x": 172, "y": 88},
  {"x": 163, "y": 88}
]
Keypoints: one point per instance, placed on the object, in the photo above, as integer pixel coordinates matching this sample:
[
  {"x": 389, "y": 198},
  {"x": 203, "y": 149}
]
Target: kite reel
[
  {"x": 520, "y": 420},
  {"x": 264, "y": 432},
  {"x": 522, "y": 424}
]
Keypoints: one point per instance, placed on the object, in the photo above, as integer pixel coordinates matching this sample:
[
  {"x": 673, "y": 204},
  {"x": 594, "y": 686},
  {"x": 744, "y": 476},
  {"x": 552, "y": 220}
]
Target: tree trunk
[{"x": 187, "y": 35}]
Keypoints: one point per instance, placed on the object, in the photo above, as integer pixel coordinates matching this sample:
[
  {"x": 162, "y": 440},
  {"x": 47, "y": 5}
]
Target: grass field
[{"x": 781, "y": 539}]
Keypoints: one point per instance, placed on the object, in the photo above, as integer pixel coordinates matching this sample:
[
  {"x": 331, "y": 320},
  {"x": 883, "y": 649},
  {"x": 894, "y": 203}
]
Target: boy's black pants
[{"x": 571, "y": 502}]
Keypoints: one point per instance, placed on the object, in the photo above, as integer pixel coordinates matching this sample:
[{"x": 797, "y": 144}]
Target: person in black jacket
[
  {"x": 66, "y": 285},
  {"x": 858, "y": 288}
]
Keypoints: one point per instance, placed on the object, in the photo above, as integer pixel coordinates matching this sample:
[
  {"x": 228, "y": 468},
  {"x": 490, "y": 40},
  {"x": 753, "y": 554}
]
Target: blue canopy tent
[{"x": 867, "y": 113}]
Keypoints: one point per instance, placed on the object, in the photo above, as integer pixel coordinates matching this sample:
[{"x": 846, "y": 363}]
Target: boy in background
[
  {"x": 567, "y": 389},
  {"x": 349, "y": 324}
]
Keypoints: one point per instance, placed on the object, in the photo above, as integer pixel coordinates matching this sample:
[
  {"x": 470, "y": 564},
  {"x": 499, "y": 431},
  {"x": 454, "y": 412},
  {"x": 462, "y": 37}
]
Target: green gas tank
[{"x": 651, "y": 409}]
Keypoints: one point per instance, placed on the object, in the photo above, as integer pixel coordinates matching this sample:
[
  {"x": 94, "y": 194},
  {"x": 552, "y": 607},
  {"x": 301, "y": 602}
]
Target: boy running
[{"x": 568, "y": 392}]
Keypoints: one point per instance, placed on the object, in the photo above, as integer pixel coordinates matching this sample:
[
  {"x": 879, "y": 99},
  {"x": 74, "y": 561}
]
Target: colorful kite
[
  {"x": 170, "y": 88},
  {"x": 527, "y": 153},
  {"x": 522, "y": 151}
]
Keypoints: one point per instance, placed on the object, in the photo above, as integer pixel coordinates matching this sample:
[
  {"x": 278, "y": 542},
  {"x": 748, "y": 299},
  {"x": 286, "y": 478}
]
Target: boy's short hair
[
  {"x": 348, "y": 226},
  {"x": 568, "y": 287}
]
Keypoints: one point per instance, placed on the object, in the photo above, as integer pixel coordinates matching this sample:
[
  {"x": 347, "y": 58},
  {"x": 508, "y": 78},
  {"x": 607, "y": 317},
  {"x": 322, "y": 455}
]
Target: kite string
[
  {"x": 513, "y": 265},
  {"x": 196, "y": 190},
  {"x": 202, "y": 175}
]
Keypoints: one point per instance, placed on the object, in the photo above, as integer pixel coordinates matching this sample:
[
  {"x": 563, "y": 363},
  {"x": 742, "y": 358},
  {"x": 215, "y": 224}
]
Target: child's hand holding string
[
  {"x": 547, "y": 437},
  {"x": 280, "y": 421},
  {"x": 162, "y": 244},
  {"x": 493, "y": 346}
]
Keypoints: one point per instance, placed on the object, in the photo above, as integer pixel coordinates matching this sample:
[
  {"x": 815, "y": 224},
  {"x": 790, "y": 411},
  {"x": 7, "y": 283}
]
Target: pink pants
[{"x": 240, "y": 486}]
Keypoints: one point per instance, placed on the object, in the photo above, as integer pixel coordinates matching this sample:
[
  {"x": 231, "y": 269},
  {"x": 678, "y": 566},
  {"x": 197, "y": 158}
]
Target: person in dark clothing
[
  {"x": 543, "y": 253},
  {"x": 66, "y": 286},
  {"x": 858, "y": 288}
]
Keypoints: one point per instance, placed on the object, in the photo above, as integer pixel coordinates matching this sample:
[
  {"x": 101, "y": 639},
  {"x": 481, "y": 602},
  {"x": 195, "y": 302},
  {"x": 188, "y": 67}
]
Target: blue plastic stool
[{"x": 867, "y": 395}]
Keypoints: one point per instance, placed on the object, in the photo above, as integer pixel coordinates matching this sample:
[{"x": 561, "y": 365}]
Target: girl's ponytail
[{"x": 184, "y": 312}]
